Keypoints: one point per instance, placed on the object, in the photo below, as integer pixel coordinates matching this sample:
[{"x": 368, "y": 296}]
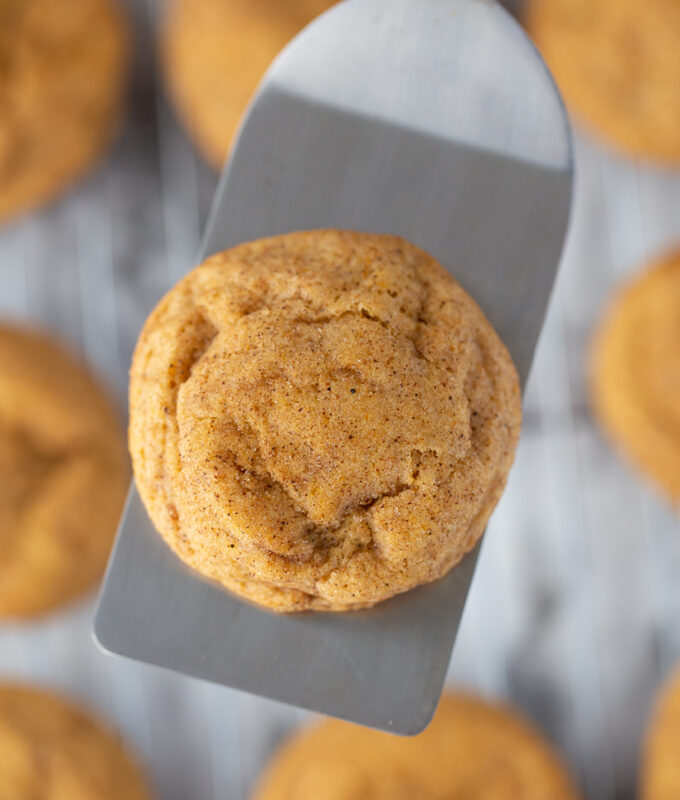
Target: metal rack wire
[{"x": 575, "y": 608}]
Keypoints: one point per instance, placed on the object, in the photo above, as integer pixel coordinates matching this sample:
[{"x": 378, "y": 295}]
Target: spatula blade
[{"x": 434, "y": 120}]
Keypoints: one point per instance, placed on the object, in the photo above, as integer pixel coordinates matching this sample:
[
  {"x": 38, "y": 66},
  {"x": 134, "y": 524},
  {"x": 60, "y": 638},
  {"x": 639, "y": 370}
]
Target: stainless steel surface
[{"x": 457, "y": 142}]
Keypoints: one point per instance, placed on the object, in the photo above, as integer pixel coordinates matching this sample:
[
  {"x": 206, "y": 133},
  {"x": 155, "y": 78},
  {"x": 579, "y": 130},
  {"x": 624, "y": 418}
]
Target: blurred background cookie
[
  {"x": 472, "y": 749},
  {"x": 661, "y": 760},
  {"x": 617, "y": 64},
  {"x": 214, "y": 52},
  {"x": 63, "y": 69},
  {"x": 63, "y": 475},
  {"x": 635, "y": 372},
  {"x": 50, "y": 749}
]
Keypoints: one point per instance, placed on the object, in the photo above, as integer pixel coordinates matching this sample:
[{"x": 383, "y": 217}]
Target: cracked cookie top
[
  {"x": 321, "y": 420},
  {"x": 63, "y": 70},
  {"x": 63, "y": 475}
]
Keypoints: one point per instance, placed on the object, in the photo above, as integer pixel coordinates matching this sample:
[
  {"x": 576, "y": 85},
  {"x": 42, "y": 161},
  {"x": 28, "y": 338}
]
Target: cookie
[
  {"x": 63, "y": 475},
  {"x": 62, "y": 81},
  {"x": 50, "y": 749},
  {"x": 661, "y": 760},
  {"x": 321, "y": 420},
  {"x": 472, "y": 749},
  {"x": 635, "y": 372},
  {"x": 213, "y": 55},
  {"x": 617, "y": 64}
]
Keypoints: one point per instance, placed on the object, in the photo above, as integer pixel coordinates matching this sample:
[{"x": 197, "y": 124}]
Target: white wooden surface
[{"x": 575, "y": 610}]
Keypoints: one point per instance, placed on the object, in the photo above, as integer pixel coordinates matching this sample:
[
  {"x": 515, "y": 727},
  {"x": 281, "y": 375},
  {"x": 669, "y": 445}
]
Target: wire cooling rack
[{"x": 574, "y": 614}]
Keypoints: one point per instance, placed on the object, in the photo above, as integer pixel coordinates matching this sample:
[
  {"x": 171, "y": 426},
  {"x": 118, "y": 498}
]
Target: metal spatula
[{"x": 432, "y": 119}]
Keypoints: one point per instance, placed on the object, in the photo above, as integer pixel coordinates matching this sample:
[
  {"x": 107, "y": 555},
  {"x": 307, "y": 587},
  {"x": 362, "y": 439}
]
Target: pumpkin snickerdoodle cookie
[
  {"x": 661, "y": 759},
  {"x": 617, "y": 64},
  {"x": 63, "y": 69},
  {"x": 635, "y": 372},
  {"x": 50, "y": 749},
  {"x": 321, "y": 420},
  {"x": 63, "y": 475},
  {"x": 214, "y": 53},
  {"x": 472, "y": 749}
]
